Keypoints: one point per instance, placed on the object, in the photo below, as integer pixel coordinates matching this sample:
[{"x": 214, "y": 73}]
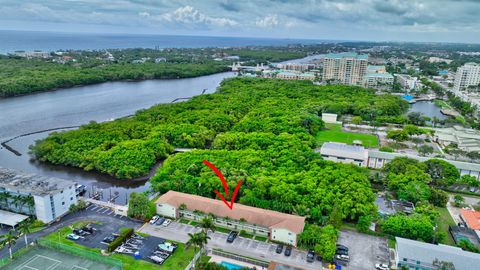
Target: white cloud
[
  {"x": 268, "y": 21},
  {"x": 190, "y": 15}
]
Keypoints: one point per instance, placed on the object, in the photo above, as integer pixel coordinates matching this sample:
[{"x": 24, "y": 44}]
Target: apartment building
[
  {"x": 276, "y": 226},
  {"x": 406, "y": 81},
  {"x": 467, "y": 75},
  {"x": 345, "y": 68},
  {"x": 34, "y": 195},
  {"x": 377, "y": 77}
]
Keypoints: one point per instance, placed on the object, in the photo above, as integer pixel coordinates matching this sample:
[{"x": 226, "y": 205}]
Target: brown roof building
[{"x": 282, "y": 227}]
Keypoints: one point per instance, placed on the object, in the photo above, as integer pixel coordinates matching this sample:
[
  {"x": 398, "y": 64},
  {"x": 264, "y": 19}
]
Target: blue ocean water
[{"x": 11, "y": 41}]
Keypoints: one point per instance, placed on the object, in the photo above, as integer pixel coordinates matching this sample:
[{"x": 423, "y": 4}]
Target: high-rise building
[
  {"x": 345, "y": 68},
  {"x": 467, "y": 75}
]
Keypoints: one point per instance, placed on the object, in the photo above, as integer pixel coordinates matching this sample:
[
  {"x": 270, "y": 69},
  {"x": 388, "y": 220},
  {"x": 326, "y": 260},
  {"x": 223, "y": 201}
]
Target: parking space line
[{"x": 94, "y": 207}]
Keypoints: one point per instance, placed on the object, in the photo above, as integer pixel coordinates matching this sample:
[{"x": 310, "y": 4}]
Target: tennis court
[{"x": 40, "y": 258}]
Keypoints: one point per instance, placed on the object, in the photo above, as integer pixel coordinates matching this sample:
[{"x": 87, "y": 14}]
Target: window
[
  {"x": 289, "y": 233},
  {"x": 63, "y": 203},
  {"x": 404, "y": 259},
  {"x": 61, "y": 191},
  {"x": 71, "y": 198}
]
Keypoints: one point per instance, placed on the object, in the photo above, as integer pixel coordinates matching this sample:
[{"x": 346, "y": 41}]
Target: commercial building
[
  {"x": 330, "y": 118},
  {"x": 32, "y": 54},
  {"x": 345, "y": 68},
  {"x": 299, "y": 67},
  {"x": 274, "y": 225},
  {"x": 43, "y": 197},
  {"x": 340, "y": 152},
  {"x": 419, "y": 255},
  {"x": 467, "y": 75},
  {"x": 406, "y": 81}
]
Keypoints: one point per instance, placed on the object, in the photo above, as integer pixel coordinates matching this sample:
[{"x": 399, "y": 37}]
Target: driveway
[
  {"x": 241, "y": 246},
  {"x": 364, "y": 250}
]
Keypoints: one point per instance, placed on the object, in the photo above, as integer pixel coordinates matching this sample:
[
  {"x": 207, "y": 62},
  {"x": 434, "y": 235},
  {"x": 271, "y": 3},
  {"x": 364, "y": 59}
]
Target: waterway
[
  {"x": 427, "y": 108},
  {"x": 79, "y": 105}
]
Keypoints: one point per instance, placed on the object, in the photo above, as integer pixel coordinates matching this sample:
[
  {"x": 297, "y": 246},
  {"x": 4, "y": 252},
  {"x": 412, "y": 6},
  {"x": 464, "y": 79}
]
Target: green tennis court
[{"x": 40, "y": 258}]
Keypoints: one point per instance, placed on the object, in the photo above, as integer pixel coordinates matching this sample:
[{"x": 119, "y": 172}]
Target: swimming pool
[{"x": 231, "y": 266}]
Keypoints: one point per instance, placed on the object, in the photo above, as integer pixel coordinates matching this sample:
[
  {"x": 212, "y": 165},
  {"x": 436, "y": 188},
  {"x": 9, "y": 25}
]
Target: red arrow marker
[{"x": 225, "y": 186}]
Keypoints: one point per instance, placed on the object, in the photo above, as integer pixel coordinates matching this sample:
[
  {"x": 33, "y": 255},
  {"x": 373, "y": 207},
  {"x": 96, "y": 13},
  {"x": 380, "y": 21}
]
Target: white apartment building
[
  {"x": 276, "y": 226},
  {"x": 407, "y": 81},
  {"x": 374, "y": 159},
  {"x": 40, "y": 196},
  {"x": 345, "y": 68},
  {"x": 467, "y": 75},
  {"x": 377, "y": 77}
]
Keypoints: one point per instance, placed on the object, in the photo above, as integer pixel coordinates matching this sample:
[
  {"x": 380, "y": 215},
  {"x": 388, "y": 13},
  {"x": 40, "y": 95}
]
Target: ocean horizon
[{"x": 13, "y": 40}]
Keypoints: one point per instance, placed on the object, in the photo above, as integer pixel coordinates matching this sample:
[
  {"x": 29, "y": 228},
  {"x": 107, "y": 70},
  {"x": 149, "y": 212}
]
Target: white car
[
  {"x": 381, "y": 266},
  {"x": 73, "y": 236},
  {"x": 154, "y": 219},
  {"x": 166, "y": 222},
  {"x": 342, "y": 257}
]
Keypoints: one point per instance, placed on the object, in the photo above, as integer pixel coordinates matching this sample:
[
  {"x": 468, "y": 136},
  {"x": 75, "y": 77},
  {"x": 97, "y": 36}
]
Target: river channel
[{"x": 79, "y": 105}]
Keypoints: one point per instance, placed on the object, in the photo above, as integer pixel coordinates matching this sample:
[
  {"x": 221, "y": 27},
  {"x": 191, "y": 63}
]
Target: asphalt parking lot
[
  {"x": 364, "y": 250},
  {"x": 242, "y": 246}
]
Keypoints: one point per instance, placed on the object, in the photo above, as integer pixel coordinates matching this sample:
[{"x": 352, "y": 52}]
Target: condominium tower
[
  {"x": 345, "y": 68},
  {"x": 467, "y": 75}
]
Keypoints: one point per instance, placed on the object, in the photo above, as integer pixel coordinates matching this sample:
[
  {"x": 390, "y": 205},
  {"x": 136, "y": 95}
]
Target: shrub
[{"x": 125, "y": 233}]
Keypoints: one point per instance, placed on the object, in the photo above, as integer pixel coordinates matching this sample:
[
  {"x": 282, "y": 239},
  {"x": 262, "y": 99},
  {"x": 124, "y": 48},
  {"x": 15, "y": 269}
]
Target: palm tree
[
  {"x": 30, "y": 204},
  {"x": 24, "y": 228},
  {"x": 207, "y": 224},
  {"x": 10, "y": 239},
  {"x": 198, "y": 240},
  {"x": 4, "y": 196},
  {"x": 17, "y": 199}
]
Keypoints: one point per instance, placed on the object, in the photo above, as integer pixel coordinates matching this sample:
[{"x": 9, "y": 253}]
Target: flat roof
[
  {"x": 32, "y": 183},
  {"x": 458, "y": 164},
  {"x": 347, "y": 55},
  {"x": 253, "y": 215},
  {"x": 11, "y": 219},
  {"x": 427, "y": 253},
  {"x": 344, "y": 150}
]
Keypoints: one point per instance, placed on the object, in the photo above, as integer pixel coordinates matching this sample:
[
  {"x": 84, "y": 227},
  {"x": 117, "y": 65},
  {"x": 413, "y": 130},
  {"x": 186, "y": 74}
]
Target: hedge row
[{"x": 124, "y": 235}]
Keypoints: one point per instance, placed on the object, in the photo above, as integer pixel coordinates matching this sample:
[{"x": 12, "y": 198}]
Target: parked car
[
  {"x": 167, "y": 247},
  {"x": 73, "y": 236},
  {"x": 288, "y": 251},
  {"x": 160, "y": 221},
  {"x": 108, "y": 239},
  {"x": 166, "y": 222},
  {"x": 279, "y": 248},
  {"x": 342, "y": 247},
  {"x": 381, "y": 266},
  {"x": 154, "y": 219},
  {"x": 157, "y": 259},
  {"x": 342, "y": 252},
  {"x": 231, "y": 236},
  {"x": 342, "y": 257},
  {"x": 89, "y": 228},
  {"x": 80, "y": 232},
  {"x": 310, "y": 256}
]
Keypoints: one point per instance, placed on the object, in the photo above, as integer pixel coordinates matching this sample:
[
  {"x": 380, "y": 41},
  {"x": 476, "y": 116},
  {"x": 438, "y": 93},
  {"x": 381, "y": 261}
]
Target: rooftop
[
  {"x": 379, "y": 75},
  {"x": 257, "y": 216},
  {"x": 344, "y": 150},
  {"x": 11, "y": 219},
  {"x": 472, "y": 218},
  {"x": 32, "y": 183},
  {"x": 427, "y": 253},
  {"x": 347, "y": 55}
]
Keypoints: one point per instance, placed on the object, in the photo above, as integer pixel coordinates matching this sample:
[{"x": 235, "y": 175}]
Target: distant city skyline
[{"x": 365, "y": 20}]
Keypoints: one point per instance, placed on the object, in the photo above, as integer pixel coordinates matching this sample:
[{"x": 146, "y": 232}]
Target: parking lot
[
  {"x": 108, "y": 228},
  {"x": 364, "y": 250},
  {"x": 242, "y": 246}
]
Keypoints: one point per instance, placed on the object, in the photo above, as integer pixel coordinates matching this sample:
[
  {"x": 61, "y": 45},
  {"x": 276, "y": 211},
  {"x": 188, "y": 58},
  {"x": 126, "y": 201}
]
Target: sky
[{"x": 372, "y": 20}]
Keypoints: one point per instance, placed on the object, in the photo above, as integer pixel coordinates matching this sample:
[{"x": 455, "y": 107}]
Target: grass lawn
[
  {"x": 184, "y": 221},
  {"x": 443, "y": 222},
  {"x": 261, "y": 238},
  {"x": 246, "y": 235},
  {"x": 179, "y": 260},
  {"x": 391, "y": 242},
  {"x": 334, "y": 133},
  {"x": 194, "y": 223},
  {"x": 223, "y": 230}
]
